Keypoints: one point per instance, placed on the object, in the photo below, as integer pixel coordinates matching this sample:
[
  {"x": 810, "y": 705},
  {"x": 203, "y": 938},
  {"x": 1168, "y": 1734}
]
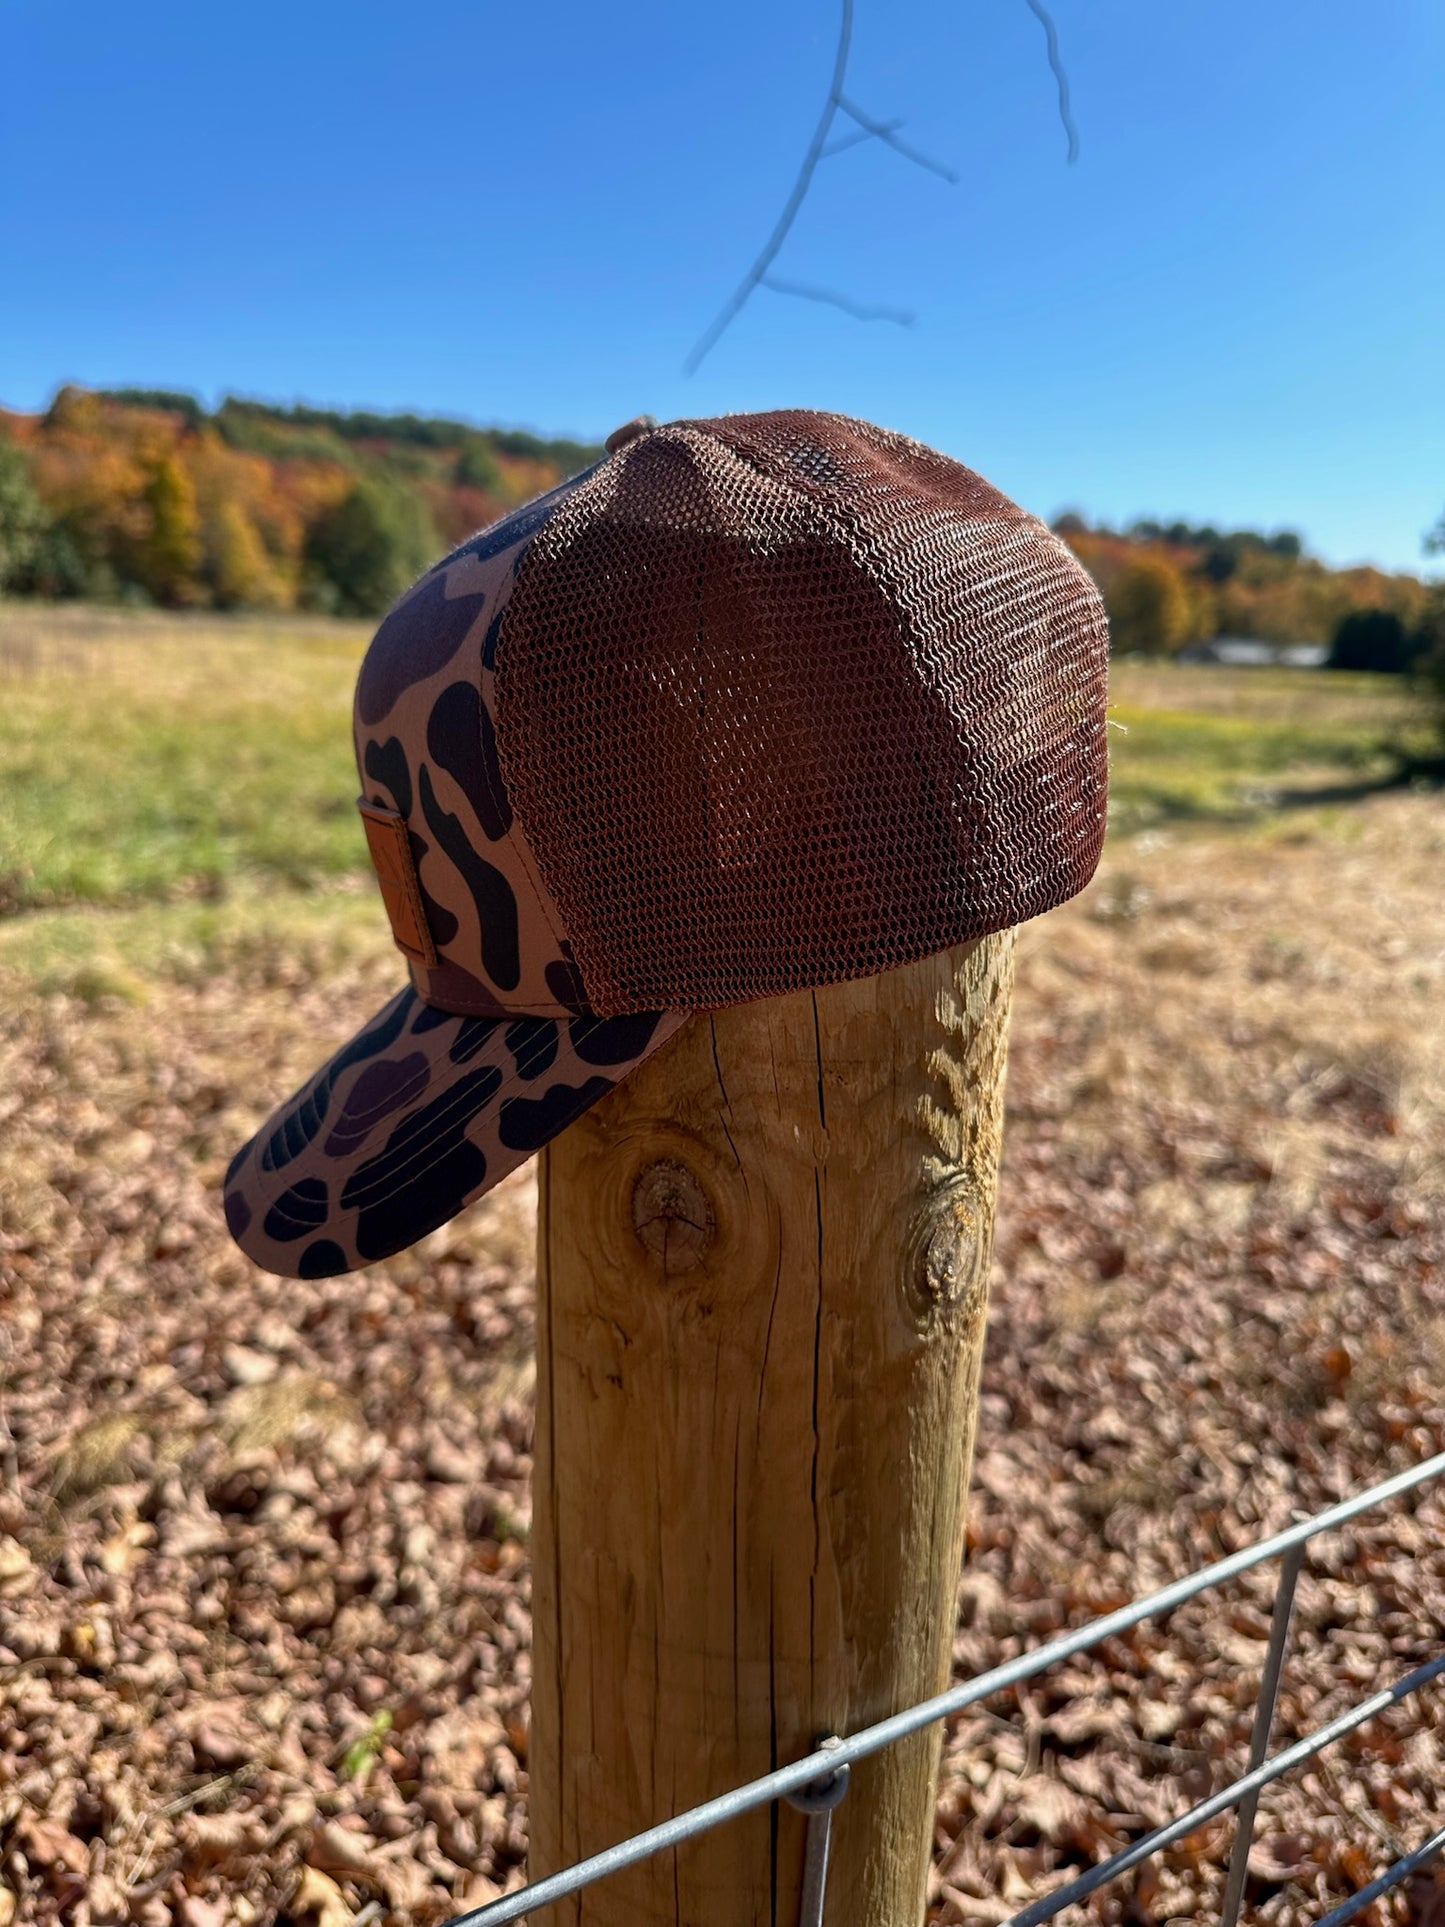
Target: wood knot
[
  {"x": 672, "y": 1215},
  {"x": 949, "y": 1254}
]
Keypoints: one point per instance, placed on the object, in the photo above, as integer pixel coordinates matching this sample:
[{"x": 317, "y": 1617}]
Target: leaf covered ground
[{"x": 264, "y": 1632}]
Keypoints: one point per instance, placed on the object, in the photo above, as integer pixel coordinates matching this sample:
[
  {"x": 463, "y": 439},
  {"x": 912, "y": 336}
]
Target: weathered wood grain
[{"x": 762, "y": 1285}]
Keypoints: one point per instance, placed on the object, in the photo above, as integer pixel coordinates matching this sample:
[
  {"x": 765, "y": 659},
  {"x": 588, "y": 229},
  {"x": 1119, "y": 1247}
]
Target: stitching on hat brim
[{"x": 523, "y": 1061}]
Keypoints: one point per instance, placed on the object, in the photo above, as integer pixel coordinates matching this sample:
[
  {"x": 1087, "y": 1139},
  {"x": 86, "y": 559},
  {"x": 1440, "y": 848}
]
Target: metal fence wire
[{"x": 818, "y": 1781}]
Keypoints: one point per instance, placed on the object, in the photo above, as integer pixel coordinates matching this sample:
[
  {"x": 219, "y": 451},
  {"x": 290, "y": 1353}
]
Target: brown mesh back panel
[{"x": 784, "y": 699}]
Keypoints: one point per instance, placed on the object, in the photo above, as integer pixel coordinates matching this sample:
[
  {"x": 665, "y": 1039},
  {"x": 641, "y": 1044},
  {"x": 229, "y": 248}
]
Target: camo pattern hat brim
[{"x": 412, "y": 1120}]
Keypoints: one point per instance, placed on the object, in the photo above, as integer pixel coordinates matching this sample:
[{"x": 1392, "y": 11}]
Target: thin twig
[
  {"x": 806, "y": 291},
  {"x": 143, "y": 1827},
  {"x": 887, "y": 132},
  {"x": 201, "y": 1794},
  {"x": 9, "y": 1452},
  {"x": 1051, "y": 36},
  {"x": 856, "y": 139}
]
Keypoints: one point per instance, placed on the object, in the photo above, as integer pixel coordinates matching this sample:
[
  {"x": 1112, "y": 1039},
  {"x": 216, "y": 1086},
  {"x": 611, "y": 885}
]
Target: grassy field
[
  {"x": 193, "y": 778},
  {"x": 264, "y": 1581},
  {"x": 154, "y": 760}
]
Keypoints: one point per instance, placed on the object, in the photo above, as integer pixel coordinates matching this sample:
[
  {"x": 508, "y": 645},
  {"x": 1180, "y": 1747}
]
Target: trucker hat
[{"x": 754, "y": 704}]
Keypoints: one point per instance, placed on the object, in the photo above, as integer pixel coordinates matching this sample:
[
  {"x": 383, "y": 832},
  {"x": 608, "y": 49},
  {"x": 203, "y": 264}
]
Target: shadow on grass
[
  {"x": 1324, "y": 794},
  {"x": 1138, "y": 807},
  {"x": 1408, "y": 772}
]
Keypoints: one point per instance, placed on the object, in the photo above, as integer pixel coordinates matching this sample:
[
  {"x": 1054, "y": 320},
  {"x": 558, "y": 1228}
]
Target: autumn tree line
[
  {"x": 145, "y": 496},
  {"x": 1169, "y": 586}
]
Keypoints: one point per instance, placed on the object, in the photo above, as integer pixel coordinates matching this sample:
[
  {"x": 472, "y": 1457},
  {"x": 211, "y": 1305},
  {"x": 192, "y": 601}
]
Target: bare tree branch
[
  {"x": 1051, "y": 36},
  {"x": 821, "y": 148},
  {"x": 806, "y": 291}
]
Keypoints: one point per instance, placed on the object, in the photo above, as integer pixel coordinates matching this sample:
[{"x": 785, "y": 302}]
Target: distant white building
[{"x": 1248, "y": 652}]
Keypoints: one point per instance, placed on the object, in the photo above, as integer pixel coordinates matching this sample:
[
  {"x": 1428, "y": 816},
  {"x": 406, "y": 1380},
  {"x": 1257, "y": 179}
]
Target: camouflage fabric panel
[
  {"x": 412, "y": 1120},
  {"x": 426, "y": 745}
]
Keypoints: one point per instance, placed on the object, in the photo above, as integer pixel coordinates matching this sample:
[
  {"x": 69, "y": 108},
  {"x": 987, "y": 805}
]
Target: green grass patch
[
  {"x": 250, "y": 938},
  {"x": 1221, "y": 745},
  {"x": 160, "y": 758}
]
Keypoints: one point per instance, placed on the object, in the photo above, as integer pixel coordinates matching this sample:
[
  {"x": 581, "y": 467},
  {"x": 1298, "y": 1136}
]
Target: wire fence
[{"x": 806, "y": 1782}]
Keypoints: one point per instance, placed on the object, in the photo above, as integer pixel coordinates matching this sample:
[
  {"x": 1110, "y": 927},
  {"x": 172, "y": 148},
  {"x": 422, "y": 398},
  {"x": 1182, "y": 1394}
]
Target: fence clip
[{"x": 818, "y": 1799}]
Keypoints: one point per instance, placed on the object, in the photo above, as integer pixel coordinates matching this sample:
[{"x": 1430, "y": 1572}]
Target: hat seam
[
  {"x": 689, "y": 434},
  {"x": 456, "y": 1008},
  {"x": 530, "y": 866}
]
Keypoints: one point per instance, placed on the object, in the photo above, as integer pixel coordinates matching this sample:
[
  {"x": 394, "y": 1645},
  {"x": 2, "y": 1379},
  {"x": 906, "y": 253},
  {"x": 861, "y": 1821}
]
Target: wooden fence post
[{"x": 762, "y": 1287}]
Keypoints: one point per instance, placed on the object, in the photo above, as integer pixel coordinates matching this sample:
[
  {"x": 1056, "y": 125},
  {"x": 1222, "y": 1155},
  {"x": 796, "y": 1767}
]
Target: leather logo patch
[{"x": 390, "y": 846}]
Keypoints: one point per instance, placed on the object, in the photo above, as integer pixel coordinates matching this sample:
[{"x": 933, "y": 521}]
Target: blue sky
[{"x": 1232, "y": 308}]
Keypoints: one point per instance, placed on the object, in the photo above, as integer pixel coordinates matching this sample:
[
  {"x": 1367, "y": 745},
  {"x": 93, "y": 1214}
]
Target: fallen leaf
[
  {"x": 125, "y": 1550},
  {"x": 195, "y": 1912},
  {"x": 219, "y": 1744},
  {"x": 339, "y": 1849},
  {"x": 317, "y": 1897},
  {"x": 48, "y": 1844},
  {"x": 246, "y": 1367},
  {"x": 17, "y": 1572},
  {"x": 1277, "y": 1856}
]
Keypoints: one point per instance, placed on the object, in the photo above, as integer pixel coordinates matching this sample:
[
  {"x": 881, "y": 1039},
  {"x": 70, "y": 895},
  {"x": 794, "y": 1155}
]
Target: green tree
[
  {"x": 478, "y": 467},
  {"x": 1431, "y": 659},
  {"x": 1149, "y": 612},
  {"x": 68, "y": 563},
  {"x": 173, "y": 400},
  {"x": 369, "y": 547},
  {"x": 22, "y": 518},
  {"x": 1371, "y": 639},
  {"x": 1430, "y": 651}
]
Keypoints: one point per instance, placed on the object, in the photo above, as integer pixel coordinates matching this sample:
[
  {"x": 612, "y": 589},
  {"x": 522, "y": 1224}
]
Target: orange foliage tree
[
  {"x": 146, "y": 496},
  {"x": 1166, "y": 587}
]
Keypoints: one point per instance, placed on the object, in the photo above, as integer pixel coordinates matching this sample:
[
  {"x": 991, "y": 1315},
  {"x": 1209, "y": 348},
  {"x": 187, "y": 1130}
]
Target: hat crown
[{"x": 787, "y": 698}]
